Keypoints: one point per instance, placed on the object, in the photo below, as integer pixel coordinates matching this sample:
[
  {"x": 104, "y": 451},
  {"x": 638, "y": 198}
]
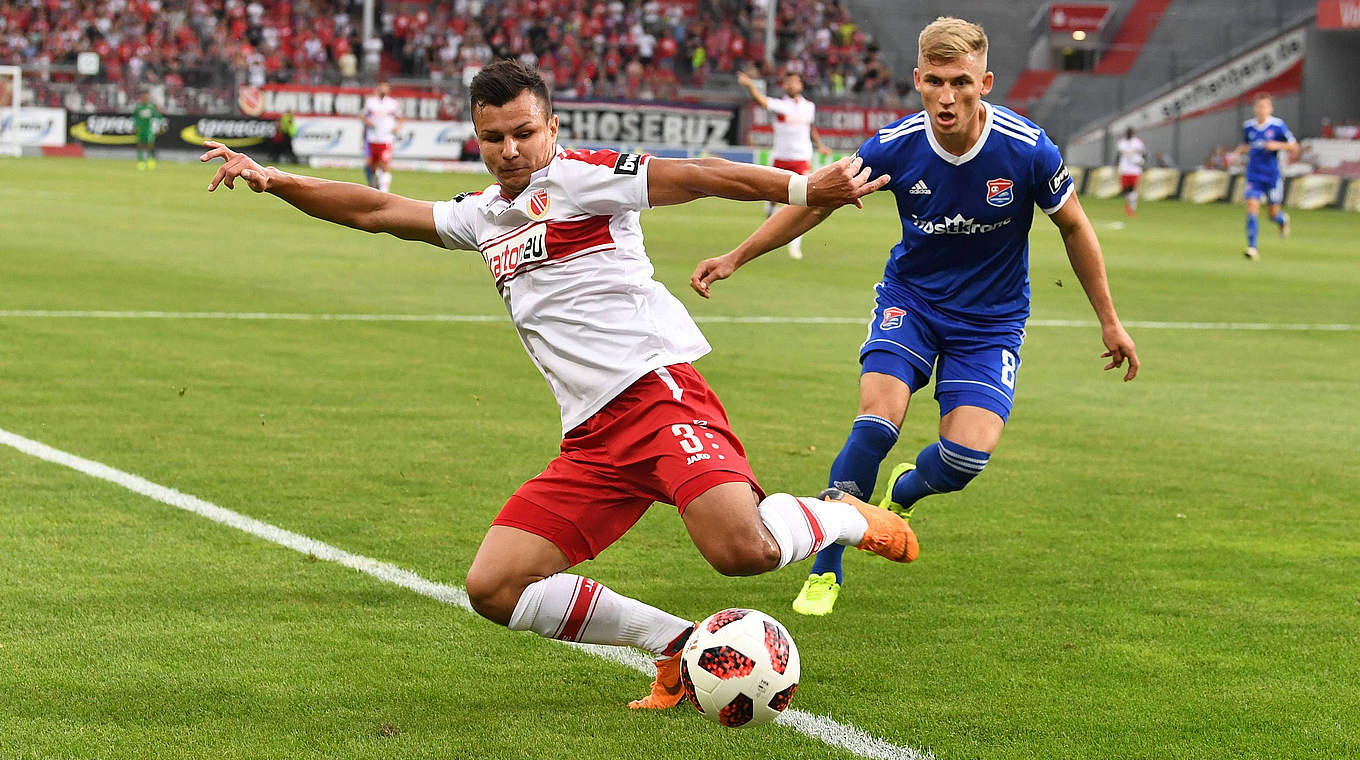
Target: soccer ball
[{"x": 740, "y": 668}]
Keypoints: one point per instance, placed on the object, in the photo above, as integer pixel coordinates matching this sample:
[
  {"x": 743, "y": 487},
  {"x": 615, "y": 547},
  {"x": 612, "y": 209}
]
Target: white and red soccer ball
[{"x": 740, "y": 668}]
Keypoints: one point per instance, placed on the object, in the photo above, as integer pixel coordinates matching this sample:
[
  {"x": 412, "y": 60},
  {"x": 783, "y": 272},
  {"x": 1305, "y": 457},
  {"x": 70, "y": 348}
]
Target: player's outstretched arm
[
  {"x": 750, "y": 84},
  {"x": 357, "y": 206},
  {"x": 781, "y": 227},
  {"x": 1083, "y": 251},
  {"x": 680, "y": 180}
]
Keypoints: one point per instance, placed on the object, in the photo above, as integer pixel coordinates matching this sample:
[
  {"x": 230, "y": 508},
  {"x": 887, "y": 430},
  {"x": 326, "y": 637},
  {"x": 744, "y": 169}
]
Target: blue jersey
[
  {"x": 1263, "y": 166},
  {"x": 966, "y": 219}
]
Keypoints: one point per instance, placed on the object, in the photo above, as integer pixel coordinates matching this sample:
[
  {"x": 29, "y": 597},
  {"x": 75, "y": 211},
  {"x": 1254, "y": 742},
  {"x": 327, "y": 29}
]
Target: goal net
[{"x": 11, "y": 88}]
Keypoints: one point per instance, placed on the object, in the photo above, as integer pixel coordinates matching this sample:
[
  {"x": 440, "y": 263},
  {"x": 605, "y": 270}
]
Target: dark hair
[{"x": 503, "y": 81}]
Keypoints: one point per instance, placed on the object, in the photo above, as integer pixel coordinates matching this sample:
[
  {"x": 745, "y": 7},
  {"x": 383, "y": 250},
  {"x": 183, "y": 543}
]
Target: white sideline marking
[
  {"x": 711, "y": 319},
  {"x": 816, "y": 726}
]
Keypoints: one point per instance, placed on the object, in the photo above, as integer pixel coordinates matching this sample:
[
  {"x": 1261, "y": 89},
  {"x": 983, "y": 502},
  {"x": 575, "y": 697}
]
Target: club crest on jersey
[
  {"x": 892, "y": 317},
  {"x": 999, "y": 192},
  {"x": 538, "y": 204}
]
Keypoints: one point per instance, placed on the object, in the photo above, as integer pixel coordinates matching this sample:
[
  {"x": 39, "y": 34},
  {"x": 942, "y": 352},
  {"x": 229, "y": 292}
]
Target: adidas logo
[{"x": 919, "y": 188}]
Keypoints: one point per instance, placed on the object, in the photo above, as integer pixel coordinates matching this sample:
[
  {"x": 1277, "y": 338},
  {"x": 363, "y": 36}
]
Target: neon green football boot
[
  {"x": 818, "y": 595},
  {"x": 888, "y": 503}
]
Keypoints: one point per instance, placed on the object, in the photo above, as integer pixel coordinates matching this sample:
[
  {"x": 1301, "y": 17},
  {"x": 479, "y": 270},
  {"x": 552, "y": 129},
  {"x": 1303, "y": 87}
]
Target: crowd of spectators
[
  {"x": 647, "y": 49},
  {"x": 639, "y": 48}
]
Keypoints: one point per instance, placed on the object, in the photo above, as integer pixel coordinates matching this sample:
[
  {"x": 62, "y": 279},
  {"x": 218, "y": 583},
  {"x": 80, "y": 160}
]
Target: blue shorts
[
  {"x": 1270, "y": 193},
  {"x": 975, "y": 364}
]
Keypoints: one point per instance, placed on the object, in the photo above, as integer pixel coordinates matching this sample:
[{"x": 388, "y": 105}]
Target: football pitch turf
[{"x": 1168, "y": 568}]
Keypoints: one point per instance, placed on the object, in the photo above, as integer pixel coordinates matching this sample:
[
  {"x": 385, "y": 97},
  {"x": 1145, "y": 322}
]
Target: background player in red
[
  {"x": 383, "y": 119},
  {"x": 560, "y": 232},
  {"x": 794, "y": 133}
]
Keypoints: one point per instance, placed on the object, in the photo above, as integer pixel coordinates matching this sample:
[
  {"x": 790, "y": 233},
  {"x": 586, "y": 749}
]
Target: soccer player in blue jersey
[
  {"x": 954, "y": 298},
  {"x": 1263, "y": 137}
]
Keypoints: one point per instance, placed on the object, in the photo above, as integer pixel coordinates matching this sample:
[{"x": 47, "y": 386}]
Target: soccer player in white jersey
[
  {"x": 560, "y": 232},
  {"x": 383, "y": 119},
  {"x": 1132, "y": 154},
  {"x": 954, "y": 296},
  {"x": 794, "y": 133}
]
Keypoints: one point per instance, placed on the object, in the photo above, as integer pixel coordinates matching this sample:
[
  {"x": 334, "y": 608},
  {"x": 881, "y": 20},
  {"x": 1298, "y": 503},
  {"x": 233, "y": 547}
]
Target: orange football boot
[
  {"x": 888, "y": 536},
  {"x": 666, "y": 689}
]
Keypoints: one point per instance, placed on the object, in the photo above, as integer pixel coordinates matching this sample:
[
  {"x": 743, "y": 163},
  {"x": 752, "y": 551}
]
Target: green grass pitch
[{"x": 1168, "y": 568}]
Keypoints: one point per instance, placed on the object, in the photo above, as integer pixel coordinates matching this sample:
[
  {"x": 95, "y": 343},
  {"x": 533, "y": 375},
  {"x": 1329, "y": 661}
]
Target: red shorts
[
  {"x": 1128, "y": 182},
  {"x": 379, "y": 153},
  {"x": 644, "y": 446},
  {"x": 797, "y": 167}
]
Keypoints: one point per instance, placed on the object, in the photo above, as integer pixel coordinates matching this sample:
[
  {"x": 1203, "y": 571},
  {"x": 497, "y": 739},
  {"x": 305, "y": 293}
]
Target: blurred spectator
[{"x": 599, "y": 48}]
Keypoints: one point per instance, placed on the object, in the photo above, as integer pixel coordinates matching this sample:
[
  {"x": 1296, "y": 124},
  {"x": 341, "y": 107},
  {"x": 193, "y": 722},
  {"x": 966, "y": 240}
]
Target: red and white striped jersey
[
  {"x": 383, "y": 113},
  {"x": 793, "y": 120},
  {"x": 567, "y": 256}
]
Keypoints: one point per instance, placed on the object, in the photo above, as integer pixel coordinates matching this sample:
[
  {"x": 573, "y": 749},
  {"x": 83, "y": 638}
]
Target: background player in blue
[
  {"x": 1262, "y": 139},
  {"x": 955, "y": 293}
]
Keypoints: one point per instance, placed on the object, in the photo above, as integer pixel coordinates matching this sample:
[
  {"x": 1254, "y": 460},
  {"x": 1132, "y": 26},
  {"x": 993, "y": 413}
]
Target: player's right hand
[
  {"x": 844, "y": 182},
  {"x": 234, "y": 165},
  {"x": 710, "y": 271}
]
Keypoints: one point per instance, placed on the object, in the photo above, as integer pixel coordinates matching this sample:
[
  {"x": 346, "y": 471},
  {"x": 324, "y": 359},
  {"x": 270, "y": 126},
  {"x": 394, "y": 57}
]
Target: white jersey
[
  {"x": 793, "y": 118},
  {"x": 567, "y": 256},
  {"x": 382, "y": 113},
  {"x": 1131, "y": 151}
]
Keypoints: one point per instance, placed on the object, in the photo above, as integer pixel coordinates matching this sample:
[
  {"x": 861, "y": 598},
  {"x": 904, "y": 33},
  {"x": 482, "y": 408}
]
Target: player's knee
[
  {"x": 491, "y": 596},
  {"x": 746, "y": 562},
  {"x": 747, "y": 557}
]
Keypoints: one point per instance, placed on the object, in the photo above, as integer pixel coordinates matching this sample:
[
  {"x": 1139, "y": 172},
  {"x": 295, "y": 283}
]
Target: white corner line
[{"x": 818, "y": 727}]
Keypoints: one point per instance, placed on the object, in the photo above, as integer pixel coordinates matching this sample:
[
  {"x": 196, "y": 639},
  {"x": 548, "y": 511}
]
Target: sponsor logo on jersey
[
  {"x": 538, "y": 204},
  {"x": 919, "y": 188},
  {"x": 956, "y": 225},
  {"x": 1055, "y": 182},
  {"x": 697, "y": 458},
  {"x": 507, "y": 255},
  {"x": 628, "y": 163},
  {"x": 999, "y": 192},
  {"x": 892, "y": 317}
]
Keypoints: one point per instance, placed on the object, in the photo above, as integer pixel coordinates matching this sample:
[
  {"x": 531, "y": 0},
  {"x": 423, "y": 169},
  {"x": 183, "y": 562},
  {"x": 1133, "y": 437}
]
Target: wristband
[{"x": 798, "y": 186}]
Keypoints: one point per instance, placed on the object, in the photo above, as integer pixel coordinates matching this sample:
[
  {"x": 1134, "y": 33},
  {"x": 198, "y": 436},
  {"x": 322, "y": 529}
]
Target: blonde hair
[{"x": 949, "y": 39}]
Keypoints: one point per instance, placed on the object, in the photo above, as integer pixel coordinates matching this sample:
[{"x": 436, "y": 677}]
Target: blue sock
[
  {"x": 368, "y": 174},
  {"x": 1278, "y": 219},
  {"x": 855, "y": 471},
  {"x": 1251, "y": 230},
  {"x": 941, "y": 467}
]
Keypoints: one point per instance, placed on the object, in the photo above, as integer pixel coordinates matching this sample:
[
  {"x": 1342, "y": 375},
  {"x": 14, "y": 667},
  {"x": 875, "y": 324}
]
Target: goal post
[{"x": 11, "y": 90}]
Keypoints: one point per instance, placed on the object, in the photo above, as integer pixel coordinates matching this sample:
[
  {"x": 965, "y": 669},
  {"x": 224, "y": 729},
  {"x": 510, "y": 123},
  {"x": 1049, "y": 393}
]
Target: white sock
[
  {"x": 572, "y": 608},
  {"x": 384, "y": 180},
  {"x": 796, "y": 247},
  {"x": 1133, "y": 199},
  {"x": 803, "y": 526},
  {"x": 770, "y": 208}
]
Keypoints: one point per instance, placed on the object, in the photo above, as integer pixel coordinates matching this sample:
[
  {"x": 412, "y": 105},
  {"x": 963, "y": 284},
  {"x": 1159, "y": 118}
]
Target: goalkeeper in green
[{"x": 145, "y": 118}]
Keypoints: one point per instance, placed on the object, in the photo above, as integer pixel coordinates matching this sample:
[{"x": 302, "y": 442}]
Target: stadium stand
[{"x": 647, "y": 49}]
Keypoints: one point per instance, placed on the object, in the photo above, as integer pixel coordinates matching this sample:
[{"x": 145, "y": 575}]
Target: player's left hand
[
  {"x": 710, "y": 271},
  {"x": 825, "y": 151},
  {"x": 234, "y": 165},
  {"x": 845, "y": 181},
  {"x": 1121, "y": 347}
]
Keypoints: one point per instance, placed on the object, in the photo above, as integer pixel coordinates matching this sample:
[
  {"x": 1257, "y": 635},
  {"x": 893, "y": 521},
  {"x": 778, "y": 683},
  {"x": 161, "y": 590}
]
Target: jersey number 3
[{"x": 689, "y": 442}]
